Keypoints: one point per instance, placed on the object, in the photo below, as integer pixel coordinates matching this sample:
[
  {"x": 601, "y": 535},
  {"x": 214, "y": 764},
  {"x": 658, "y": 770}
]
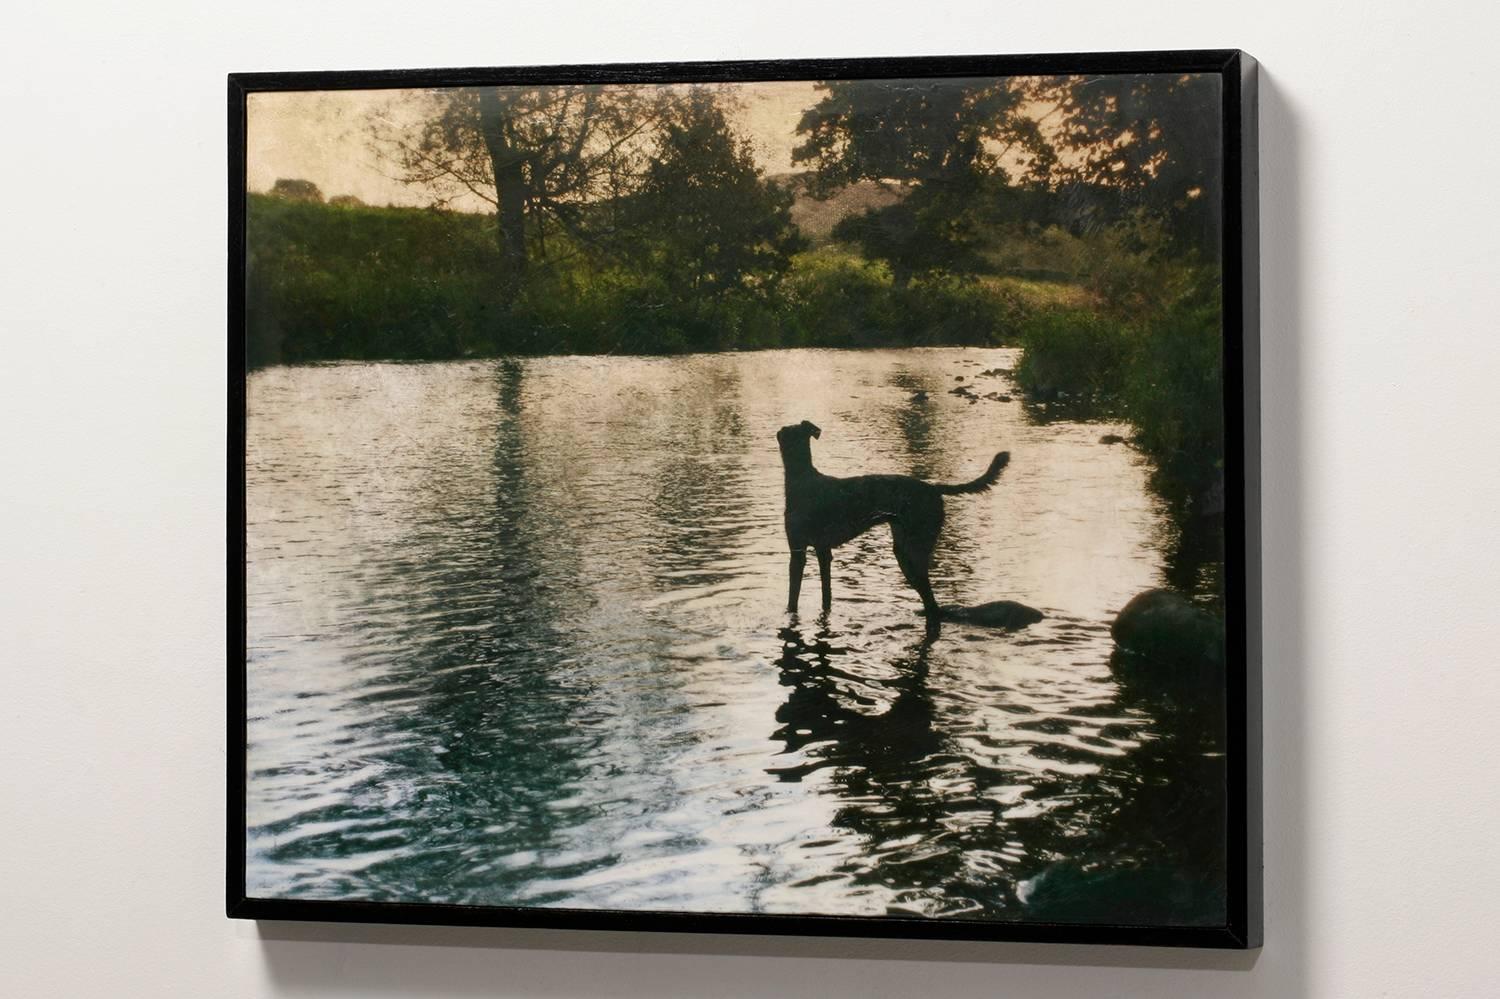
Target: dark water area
[{"x": 517, "y": 637}]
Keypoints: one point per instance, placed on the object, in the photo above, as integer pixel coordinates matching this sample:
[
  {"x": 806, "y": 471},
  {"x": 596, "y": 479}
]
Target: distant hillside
[{"x": 817, "y": 218}]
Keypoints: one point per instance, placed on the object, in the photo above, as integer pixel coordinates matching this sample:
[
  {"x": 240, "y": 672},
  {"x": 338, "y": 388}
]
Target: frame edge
[
  {"x": 234, "y": 805},
  {"x": 1241, "y": 303},
  {"x": 1249, "y": 70},
  {"x": 1244, "y": 929},
  {"x": 753, "y": 70}
]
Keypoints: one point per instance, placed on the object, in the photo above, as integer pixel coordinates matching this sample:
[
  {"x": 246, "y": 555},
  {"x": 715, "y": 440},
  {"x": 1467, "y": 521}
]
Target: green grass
[
  {"x": 833, "y": 297},
  {"x": 331, "y": 282},
  {"x": 1039, "y": 294},
  {"x": 326, "y": 282},
  {"x": 1162, "y": 372},
  {"x": 1174, "y": 395},
  {"x": 1076, "y": 354}
]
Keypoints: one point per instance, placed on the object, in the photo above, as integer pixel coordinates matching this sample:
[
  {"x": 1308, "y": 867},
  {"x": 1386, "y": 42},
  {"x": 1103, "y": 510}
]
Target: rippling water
[{"x": 517, "y": 637}]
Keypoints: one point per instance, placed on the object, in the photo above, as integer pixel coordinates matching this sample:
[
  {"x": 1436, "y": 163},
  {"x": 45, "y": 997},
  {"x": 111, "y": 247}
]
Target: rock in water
[
  {"x": 1163, "y": 625},
  {"x": 1155, "y": 893},
  {"x": 996, "y": 614}
]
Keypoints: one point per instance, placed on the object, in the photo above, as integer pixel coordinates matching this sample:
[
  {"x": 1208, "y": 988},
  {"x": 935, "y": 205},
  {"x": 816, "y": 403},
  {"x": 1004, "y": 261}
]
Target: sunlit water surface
[{"x": 517, "y": 637}]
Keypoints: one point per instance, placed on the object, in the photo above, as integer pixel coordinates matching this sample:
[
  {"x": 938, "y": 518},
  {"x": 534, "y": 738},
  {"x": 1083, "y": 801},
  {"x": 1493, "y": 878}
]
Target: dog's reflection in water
[{"x": 842, "y": 713}]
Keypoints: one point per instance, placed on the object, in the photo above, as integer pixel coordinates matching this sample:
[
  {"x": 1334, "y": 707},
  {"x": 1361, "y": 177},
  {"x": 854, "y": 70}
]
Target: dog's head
[
  {"x": 798, "y": 431},
  {"x": 794, "y": 440}
]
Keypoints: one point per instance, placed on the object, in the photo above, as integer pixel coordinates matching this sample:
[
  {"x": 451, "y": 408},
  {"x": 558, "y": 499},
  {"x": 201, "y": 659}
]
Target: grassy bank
[
  {"x": 332, "y": 281},
  {"x": 1160, "y": 369},
  {"x": 353, "y": 282}
]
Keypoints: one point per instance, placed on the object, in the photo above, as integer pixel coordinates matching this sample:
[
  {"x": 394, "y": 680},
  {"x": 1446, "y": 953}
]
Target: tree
[
  {"x": 545, "y": 158},
  {"x": 939, "y": 140},
  {"x": 296, "y": 190},
  {"x": 704, "y": 218},
  {"x": 1106, "y": 148},
  {"x": 1150, "y": 140},
  {"x": 932, "y": 229}
]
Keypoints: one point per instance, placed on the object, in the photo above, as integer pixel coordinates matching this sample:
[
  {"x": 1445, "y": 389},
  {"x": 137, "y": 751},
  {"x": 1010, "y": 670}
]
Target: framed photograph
[{"x": 809, "y": 497}]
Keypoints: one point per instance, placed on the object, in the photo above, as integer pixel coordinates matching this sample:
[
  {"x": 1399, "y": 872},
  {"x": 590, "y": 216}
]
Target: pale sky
[{"x": 324, "y": 137}]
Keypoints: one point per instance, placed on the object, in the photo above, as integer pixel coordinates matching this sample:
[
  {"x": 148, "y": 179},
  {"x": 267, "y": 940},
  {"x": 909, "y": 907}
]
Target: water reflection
[
  {"x": 854, "y": 721},
  {"x": 516, "y": 638}
]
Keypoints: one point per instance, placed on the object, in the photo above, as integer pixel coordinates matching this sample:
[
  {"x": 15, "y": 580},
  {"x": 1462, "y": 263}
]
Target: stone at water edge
[
  {"x": 1163, "y": 625},
  {"x": 1069, "y": 891},
  {"x": 995, "y": 614}
]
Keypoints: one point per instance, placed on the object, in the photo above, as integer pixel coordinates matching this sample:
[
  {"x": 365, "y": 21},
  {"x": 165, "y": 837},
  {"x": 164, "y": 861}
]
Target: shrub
[
  {"x": 1174, "y": 395},
  {"x": 944, "y": 309},
  {"x": 329, "y": 282},
  {"x": 1163, "y": 373},
  {"x": 1073, "y": 353},
  {"x": 348, "y": 282},
  {"x": 836, "y": 299}
]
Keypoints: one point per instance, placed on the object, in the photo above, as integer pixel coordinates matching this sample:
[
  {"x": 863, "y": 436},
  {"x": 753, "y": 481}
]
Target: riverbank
[
  {"x": 351, "y": 282},
  {"x": 1161, "y": 371}
]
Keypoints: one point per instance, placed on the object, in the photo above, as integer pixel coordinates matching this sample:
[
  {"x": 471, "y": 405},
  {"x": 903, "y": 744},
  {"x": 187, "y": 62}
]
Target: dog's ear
[{"x": 811, "y": 428}]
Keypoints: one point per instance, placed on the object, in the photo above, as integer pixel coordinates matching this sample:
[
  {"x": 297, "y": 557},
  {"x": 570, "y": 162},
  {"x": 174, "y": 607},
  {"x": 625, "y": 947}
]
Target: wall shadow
[
  {"x": 1284, "y": 510},
  {"x": 401, "y": 960}
]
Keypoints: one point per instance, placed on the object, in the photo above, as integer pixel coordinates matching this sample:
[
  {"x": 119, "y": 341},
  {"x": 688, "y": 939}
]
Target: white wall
[{"x": 1381, "y": 360}]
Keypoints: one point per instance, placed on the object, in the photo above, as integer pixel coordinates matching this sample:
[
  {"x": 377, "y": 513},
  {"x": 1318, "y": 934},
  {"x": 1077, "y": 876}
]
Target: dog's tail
[{"x": 982, "y": 483}]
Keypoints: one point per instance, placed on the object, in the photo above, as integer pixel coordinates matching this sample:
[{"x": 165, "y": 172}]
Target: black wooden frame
[{"x": 1241, "y": 287}]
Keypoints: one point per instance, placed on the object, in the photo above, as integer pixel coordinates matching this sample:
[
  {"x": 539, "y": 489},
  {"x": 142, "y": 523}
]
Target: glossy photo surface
[{"x": 798, "y": 504}]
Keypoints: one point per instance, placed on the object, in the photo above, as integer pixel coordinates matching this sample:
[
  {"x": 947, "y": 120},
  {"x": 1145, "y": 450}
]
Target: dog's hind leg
[
  {"x": 825, "y": 569},
  {"x": 914, "y": 556},
  {"x": 794, "y": 586}
]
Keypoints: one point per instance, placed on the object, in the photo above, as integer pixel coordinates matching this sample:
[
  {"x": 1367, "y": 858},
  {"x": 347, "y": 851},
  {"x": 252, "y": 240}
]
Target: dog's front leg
[
  {"x": 825, "y": 568},
  {"x": 794, "y": 587}
]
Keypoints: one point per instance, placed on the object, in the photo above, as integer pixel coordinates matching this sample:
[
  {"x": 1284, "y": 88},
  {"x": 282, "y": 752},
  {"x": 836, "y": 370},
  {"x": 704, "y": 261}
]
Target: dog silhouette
[{"x": 825, "y": 511}]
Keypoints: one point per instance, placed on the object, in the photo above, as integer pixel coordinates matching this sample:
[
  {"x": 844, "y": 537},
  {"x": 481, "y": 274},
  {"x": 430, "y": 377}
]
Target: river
[{"x": 517, "y": 636}]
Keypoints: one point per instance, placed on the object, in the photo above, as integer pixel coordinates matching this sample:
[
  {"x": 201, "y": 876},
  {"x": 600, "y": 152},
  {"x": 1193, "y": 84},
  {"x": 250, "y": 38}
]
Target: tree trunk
[{"x": 510, "y": 189}]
